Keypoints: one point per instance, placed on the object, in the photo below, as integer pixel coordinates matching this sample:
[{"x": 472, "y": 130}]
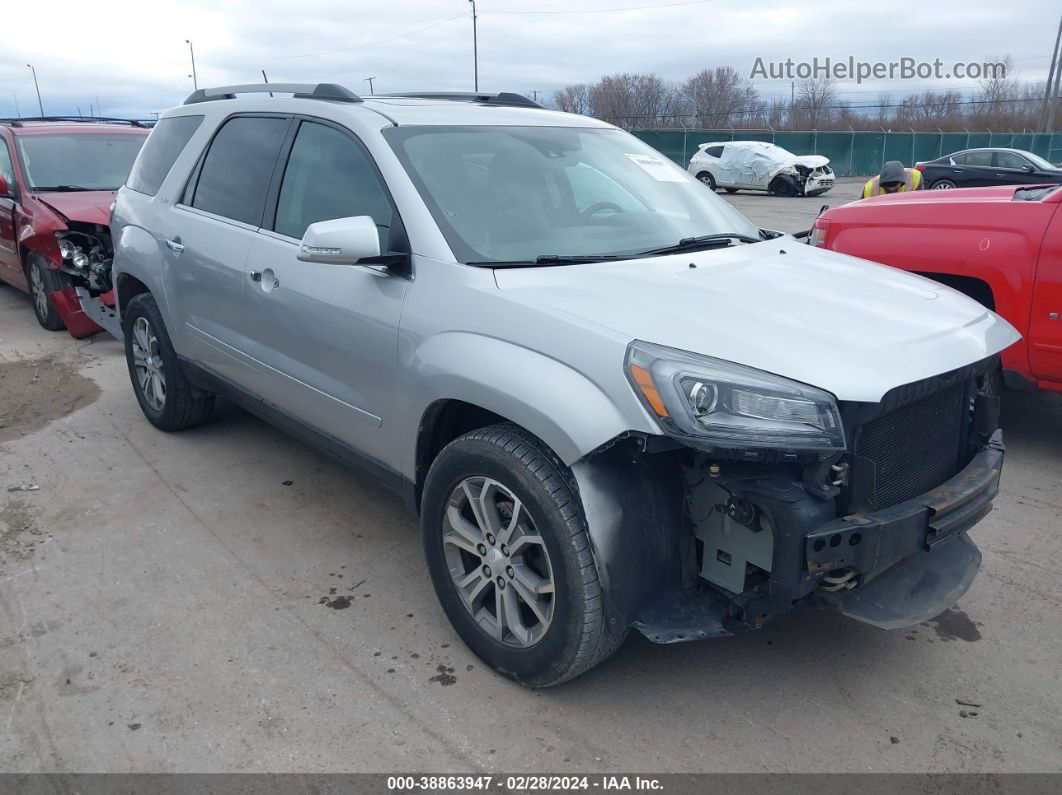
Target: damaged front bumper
[{"x": 891, "y": 568}]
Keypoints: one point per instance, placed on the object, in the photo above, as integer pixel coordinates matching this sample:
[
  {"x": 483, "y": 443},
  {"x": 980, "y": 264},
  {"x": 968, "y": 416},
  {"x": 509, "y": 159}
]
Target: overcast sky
[{"x": 132, "y": 55}]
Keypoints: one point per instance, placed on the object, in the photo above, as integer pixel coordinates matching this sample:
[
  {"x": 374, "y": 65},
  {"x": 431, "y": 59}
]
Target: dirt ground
[{"x": 227, "y": 599}]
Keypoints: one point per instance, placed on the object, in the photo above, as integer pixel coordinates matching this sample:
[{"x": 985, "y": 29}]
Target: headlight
[
  {"x": 722, "y": 404},
  {"x": 66, "y": 248},
  {"x": 80, "y": 259}
]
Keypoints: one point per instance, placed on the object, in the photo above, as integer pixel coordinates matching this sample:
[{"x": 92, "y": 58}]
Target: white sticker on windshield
[{"x": 657, "y": 168}]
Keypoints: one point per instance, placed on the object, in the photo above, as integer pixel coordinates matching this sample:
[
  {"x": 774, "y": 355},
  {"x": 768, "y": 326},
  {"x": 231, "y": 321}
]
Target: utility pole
[
  {"x": 475, "y": 47},
  {"x": 1048, "y": 93},
  {"x": 1050, "y": 127},
  {"x": 18, "y": 111},
  {"x": 99, "y": 110},
  {"x": 369, "y": 81},
  {"x": 191, "y": 51},
  {"x": 36, "y": 86}
]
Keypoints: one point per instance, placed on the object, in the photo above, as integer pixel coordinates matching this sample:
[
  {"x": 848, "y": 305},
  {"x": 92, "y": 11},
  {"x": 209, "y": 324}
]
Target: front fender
[
  {"x": 137, "y": 254},
  {"x": 562, "y": 407}
]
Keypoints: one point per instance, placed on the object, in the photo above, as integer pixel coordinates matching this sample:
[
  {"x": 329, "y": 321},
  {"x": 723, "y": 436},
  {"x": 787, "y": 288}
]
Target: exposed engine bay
[
  {"x": 87, "y": 258},
  {"x": 878, "y": 532}
]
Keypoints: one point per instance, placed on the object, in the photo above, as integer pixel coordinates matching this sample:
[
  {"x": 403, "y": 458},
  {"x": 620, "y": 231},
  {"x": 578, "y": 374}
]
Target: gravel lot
[{"x": 228, "y": 599}]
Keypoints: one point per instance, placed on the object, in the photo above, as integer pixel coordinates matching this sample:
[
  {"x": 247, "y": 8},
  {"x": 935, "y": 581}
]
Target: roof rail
[
  {"x": 87, "y": 119},
  {"x": 329, "y": 91},
  {"x": 503, "y": 98}
]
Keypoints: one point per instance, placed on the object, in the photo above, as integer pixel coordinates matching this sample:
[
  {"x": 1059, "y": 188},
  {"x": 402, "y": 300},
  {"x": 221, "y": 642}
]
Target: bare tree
[
  {"x": 720, "y": 97},
  {"x": 573, "y": 99},
  {"x": 635, "y": 100},
  {"x": 815, "y": 99}
]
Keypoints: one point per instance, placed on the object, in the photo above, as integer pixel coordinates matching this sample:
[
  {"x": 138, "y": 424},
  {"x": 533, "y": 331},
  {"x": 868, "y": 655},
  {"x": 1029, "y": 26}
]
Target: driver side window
[
  {"x": 7, "y": 171},
  {"x": 329, "y": 176},
  {"x": 1010, "y": 160}
]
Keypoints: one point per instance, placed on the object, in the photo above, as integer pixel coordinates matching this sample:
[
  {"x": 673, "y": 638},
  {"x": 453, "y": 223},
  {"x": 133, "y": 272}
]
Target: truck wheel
[
  {"x": 707, "y": 178},
  {"x": 165, "y": 395},
  {"x": 508, "y": 552},
  {"x": 943, "y": 184},
  {"x": 42, "y": 281}
]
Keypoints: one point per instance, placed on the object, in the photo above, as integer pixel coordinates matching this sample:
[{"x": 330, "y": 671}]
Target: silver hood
[{"x": 840, "y": 323}]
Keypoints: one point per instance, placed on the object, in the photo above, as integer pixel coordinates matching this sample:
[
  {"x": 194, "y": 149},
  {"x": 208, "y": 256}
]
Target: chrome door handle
[{"x": 175, "y": 246}]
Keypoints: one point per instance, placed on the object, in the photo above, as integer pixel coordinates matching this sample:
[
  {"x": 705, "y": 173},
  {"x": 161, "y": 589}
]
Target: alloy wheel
[
  {"x": 147, "y": 362},
  {"x": 498, "y": 562},
  {"x": 40, "y": 295}
]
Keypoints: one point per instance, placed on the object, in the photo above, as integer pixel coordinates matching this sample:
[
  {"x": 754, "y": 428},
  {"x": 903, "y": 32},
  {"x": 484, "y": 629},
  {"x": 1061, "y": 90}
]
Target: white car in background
[{"x": 758, "y": 165}]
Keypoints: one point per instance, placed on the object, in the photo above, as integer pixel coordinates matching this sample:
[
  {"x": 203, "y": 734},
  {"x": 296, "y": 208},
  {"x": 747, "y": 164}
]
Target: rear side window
[
  {"x": 238, "y": 167},
  {"x": 163, "y": 146},
  {"x": 329, "y": 176},
  {"x": 714, "y": 151},
  {"x": 6, "y": 170},
  {"x": 981, "y": 158}
]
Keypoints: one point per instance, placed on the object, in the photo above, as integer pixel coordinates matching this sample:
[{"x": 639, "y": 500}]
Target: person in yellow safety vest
[{"x": 893, "y": 178}]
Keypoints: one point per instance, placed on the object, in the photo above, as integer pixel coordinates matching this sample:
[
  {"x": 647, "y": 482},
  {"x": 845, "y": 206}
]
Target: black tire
[
  {"x": 40, "y": 277},
  {"x": 780, "y": 186},
  {"x": 943, "y": 184},
  {"x": 708, "y": 180},
  {"x": 731, "y": 190},
  {"x": 579, "y": 636},
  {"x": 182, "y": 405}
]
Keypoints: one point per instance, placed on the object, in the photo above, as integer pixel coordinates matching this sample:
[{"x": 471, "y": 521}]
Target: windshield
[
  {"x": 1038, "y": 161},
  {"x": 515, "y": 194},
  {"x": 95, "y": 161}
]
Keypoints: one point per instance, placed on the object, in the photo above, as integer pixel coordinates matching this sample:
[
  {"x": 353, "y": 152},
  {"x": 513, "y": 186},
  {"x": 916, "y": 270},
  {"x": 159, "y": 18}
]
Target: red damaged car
[
  {"x": 1001, "y": 246},
  {"x": 58, "y": 178}
]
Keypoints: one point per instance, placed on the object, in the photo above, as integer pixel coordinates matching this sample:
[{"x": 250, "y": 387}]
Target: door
[
  {"x": 10, "y": 268},
  {"x": 208, "y": 235},
  {"x": 973, "y": 169},
  {"x": 326, "y": 336},
  {"x": 1045, "y": 322},
  {"x": 1013, "y": 169}
]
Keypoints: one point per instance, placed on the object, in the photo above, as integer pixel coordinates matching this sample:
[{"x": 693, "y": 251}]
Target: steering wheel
[{"x": 599, "y": 207}]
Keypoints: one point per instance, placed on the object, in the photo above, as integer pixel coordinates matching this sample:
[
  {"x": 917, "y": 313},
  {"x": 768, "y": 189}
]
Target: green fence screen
[{"x": 856, "y": 153}]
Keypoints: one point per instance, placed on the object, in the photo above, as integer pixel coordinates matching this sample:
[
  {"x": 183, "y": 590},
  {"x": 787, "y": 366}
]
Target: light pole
[
  {"x": 475, "y": 46},
  {"x": 191, "y": 51},
  {"x": 369, "y": 81},
  {"x": 39, "y": 103}
]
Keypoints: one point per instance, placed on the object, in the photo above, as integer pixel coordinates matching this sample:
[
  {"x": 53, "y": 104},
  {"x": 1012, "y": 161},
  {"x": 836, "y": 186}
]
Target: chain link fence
[{"x": 856, "y": 153}]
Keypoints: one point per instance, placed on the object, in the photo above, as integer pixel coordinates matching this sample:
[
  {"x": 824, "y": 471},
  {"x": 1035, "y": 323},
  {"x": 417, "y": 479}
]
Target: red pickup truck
[{"x": 1001, "y": 246}]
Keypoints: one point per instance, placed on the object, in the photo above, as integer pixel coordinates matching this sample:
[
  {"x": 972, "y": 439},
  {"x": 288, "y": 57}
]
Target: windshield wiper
[
  {"x": 64, "y": 188},
  {"x": 702, "y": 241},
  {"x": 549, "y": 259}
]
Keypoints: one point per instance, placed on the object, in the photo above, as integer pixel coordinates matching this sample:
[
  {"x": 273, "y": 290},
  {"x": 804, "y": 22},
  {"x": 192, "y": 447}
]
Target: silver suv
[{"x": 613, "y": 401}]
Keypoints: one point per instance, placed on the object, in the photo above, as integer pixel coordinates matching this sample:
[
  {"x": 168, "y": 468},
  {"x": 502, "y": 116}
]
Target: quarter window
[
  {"x": 328, "y": 176},
  {"x": 714, "y": 151},
  {"x": 164, "y": 145},
  {"x": 238, "y": 168}
]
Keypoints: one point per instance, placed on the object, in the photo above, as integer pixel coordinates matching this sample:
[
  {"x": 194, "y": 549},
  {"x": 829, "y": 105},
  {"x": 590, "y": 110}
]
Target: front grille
[{"x": 914, "y": 448}]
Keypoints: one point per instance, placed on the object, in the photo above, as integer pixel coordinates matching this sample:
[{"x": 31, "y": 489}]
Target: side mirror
[
  {"x": 1028, "y": 168},
  {"x": 342, "y": 241}
]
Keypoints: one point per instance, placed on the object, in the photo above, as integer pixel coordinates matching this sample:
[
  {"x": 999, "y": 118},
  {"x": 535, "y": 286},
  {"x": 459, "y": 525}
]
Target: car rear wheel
[
  {"x": 943, "y": 184},
  {"x": 707, "y": 178},
  {"x": 731, "y": 190},
  {"x": 165, "y": 395},
  {"x": 507, "y": 548},
  {"x": 42, "y": 282}
]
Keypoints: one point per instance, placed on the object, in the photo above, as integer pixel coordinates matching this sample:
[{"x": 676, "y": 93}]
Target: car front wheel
[
  {"x": 42, "y": 282},
  {"x": 507, "y": 548},
  {"x": 165, "y": 395}
]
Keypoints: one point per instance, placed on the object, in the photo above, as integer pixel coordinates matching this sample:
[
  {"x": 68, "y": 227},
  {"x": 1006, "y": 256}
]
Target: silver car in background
[{"x": 613, "y": 401}]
